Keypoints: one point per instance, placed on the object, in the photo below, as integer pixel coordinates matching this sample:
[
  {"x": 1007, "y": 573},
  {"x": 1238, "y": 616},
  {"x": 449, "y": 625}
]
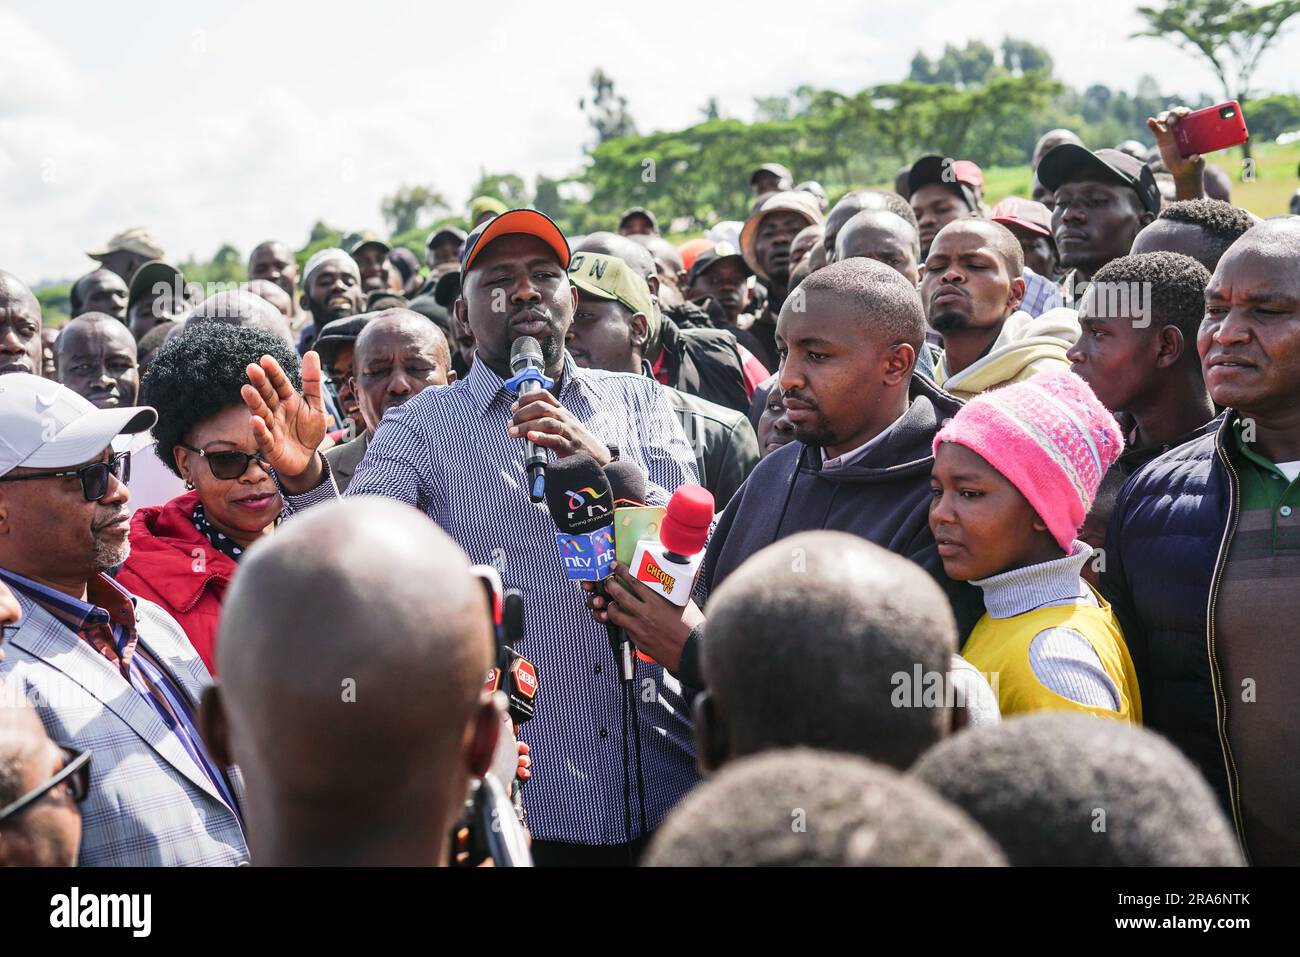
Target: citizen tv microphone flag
[
  {"x": 668, "y": 566},
  {"x": 582, "y": 505},
  {"x": 528, "y": 375}
]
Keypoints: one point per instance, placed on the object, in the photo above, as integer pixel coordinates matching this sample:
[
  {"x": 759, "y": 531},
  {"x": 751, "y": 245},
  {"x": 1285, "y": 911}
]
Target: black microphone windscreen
[
  {"x": 526, "y": 353},
  {"x": 626, "y": 482},
  {"x": 578, "y": 494}
]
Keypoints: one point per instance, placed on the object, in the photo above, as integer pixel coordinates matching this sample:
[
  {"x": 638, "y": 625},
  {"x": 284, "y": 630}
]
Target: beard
[
  {"x": 109, "y": 550},
  {"x": 949, "y": 321}
]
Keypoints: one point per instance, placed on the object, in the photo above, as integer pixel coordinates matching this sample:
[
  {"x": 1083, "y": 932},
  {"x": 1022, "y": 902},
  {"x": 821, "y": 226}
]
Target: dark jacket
[
  {"x": 1165, "y": 547},
  {"x": 725, "y": 446},
  {"x": 345, "y": 457},
  {"x": 706, "y": 363},
  {"x": 884, "y": 498}
]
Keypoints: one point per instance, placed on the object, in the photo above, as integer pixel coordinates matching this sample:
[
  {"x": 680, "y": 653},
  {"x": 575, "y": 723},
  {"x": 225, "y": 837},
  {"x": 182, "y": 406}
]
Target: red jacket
[{"x": 173, "y": 565}]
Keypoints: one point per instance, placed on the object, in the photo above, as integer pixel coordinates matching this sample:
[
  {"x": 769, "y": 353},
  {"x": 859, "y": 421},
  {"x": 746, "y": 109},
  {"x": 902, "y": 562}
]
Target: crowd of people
[{"x": 1001, "y": 494}]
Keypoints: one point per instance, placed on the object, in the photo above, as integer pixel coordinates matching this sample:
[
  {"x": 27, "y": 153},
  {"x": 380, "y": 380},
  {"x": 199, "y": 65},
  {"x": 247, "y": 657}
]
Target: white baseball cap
[{"x": 47, "y": 425}]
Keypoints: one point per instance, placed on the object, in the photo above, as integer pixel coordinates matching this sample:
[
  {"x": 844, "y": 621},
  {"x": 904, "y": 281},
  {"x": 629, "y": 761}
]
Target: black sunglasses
[
  {"x": 226, "y": 465},
  {"x": 76, "y": 771},
  {"x": 94, "y": 477}
]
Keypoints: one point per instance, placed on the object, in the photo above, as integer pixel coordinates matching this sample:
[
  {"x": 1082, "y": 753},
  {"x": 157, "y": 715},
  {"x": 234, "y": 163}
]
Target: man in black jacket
[
  {"x": 698, "y": 361},
  {"x": 1203, "y": 553},
  {"x": 610, "y": 329},
  {"x": 865, "y": 426}
]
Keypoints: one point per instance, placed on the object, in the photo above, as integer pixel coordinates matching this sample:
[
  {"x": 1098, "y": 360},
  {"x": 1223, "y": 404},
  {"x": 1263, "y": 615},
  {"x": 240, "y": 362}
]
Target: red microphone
[{"x": 669, "y": 565}]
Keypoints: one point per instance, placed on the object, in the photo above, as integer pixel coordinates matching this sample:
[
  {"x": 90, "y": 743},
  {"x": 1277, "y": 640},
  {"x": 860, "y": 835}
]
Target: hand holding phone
[{"x": 1211, "y": 129}]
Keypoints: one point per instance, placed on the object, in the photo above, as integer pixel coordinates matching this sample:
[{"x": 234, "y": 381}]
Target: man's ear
[
  {"x": 481, "y": 737},
  {"x": 899, "y": 361},
  {"x": 653, "y": 282},
  {"x": 711, "y": 741},
  {"x": 1170, "y": 346},
  {"x": 638, "y": 328},
  {"x": 302, "y": 301},
  {"x": 451, "y": 375},
  {"x": 1017, "y": 293},
  {"x": 213, "y": 728},
  {"x": 461, "y": 312},
  {"x": 1145, "y": 219}
]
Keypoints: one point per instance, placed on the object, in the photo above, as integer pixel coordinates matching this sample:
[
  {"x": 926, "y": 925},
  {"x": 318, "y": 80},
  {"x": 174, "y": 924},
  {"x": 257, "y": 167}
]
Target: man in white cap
[
  {"x": 107, "y": 670},
  {"x": 128, "y": 251},
  {"x": 331, "y": 289}
]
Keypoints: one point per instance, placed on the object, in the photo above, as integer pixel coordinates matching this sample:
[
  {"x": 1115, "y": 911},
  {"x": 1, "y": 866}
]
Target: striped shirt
[{"x": 448, "y": 453}]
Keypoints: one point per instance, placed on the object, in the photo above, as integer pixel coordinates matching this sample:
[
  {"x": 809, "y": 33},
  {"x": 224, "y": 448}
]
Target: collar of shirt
[
  {"x": 853, "y": 455},
  {"x": 485, "y": 386},
  {"x": 110, "y": 609}
]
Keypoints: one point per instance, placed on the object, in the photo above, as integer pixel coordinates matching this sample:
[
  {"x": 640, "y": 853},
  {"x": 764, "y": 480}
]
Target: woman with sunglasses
[{"x": 184, "y": 553}]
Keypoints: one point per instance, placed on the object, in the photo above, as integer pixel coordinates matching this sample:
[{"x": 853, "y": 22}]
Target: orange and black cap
[{"x": 526, "y": 221}]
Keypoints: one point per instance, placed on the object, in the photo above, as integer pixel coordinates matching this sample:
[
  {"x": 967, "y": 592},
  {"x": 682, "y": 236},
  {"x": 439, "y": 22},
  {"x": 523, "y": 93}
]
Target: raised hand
[
  {"x": 288, "y": 426},
  {"x": 1186, "y": 170}
]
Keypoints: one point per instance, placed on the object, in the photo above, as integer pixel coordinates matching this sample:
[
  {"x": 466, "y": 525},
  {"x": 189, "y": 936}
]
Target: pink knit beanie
[{"x": 1050, "y": 437}]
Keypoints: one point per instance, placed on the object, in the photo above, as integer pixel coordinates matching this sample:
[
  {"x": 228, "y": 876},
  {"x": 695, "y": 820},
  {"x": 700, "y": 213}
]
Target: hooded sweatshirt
[
  {"x": 1026, "y": 346},
  {"x": 882, "y": 496}
]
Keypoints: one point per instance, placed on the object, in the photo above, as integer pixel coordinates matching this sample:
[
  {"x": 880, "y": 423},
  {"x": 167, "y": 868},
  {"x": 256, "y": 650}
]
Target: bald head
[
  {"x": 99, "y": 291},
  {"x": 96, "y": 357},
  {"x": 625, "y": 248},
  {"x": 242, "y": 308},
  {"x": 353, "y": 649},
  {"x": 1049, "y": 141},
  {"x": 21, "y": 349},
  {"x": 886, "y": 303},
  {"x": 997, "y": 237},
  {"x": 884, "y": 236},
  {"x": 48, "y": 832},
  {"x": 805, "y": 641},
  {"x": 274, "y": 295}
]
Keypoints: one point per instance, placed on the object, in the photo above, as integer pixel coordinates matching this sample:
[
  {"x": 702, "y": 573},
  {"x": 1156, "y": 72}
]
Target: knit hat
[{"x": 1050, "y": 438}]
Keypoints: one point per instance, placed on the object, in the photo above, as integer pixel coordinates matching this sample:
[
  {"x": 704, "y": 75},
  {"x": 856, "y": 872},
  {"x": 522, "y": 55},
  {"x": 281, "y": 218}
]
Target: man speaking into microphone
[{"x": 458, "y": 454}]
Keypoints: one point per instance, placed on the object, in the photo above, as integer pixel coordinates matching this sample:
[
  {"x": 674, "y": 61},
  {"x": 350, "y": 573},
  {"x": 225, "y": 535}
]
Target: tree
[
  {"x": 1021, "y": 57},
  {"x": 1231, "y": 35},
  {"x": 402, "y": 209},
  {"x": 607, "y": 111},
  {"x": 507, "y": 187}
]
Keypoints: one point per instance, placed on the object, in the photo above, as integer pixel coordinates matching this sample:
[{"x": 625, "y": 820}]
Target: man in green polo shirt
[{"x": 1203, "y": 553}]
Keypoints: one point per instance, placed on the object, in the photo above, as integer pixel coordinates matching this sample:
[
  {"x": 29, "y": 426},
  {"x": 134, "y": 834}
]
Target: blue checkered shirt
[
  {"x": 1041, "y": 294},
  {"x": 447, "y": 452}
]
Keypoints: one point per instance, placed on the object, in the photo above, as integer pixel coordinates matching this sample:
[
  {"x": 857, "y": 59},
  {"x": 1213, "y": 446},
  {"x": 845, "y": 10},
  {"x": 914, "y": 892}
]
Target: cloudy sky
[{"x": 234, "y": 122}]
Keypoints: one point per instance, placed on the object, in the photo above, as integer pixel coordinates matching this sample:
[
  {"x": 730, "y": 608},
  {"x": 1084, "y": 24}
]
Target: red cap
[
  {"x": 685, "y": 527},
  {"x": 1025, "y": 213}
]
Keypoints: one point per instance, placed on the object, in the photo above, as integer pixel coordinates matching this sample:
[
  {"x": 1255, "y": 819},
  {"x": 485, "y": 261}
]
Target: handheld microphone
[
  {"x": 669, "y": 565},
  {"x": 579, "y": 499},
  {"x": 494, "y": 832},
  {"x": 528, "y": 368}
]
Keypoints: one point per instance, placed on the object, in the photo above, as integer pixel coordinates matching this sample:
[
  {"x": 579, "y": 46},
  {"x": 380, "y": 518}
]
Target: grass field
[{"x": 1267, "y": 194}]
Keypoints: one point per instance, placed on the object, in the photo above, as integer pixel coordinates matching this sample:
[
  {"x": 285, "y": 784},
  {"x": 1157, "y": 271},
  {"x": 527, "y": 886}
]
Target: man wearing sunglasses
[
  {"x": 106, "y": 669},
  {"x": 41, "y": 787}
]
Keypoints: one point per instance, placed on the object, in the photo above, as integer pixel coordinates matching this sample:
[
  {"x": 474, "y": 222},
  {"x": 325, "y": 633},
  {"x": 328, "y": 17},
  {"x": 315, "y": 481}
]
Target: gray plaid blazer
[{"x": 149, "y": 803}]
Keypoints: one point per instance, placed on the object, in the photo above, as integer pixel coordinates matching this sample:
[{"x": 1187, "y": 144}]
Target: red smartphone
[{"x": 1211, "y": 129}]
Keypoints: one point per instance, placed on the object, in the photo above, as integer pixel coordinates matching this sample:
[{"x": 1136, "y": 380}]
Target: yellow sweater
[{"x": 999, "y": 647}]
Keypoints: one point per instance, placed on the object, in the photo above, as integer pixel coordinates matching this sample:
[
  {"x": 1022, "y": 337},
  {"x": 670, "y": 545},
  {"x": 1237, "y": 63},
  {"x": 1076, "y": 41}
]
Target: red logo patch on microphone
[
  {"x": 651, "y": 572},
  {"x": 525, "y": 677}
]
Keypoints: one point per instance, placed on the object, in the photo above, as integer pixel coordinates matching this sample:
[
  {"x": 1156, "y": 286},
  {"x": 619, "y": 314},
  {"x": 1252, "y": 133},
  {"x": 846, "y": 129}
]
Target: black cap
[
  {"x": 336, "y": 333},
  {"x": 711, "y": 257},
  {"x": 640, "y": 211},
  {"x": 1069, "y": 161},
  {"x": 452, "y": 232},
  {"x": 447, "y": 290}
]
